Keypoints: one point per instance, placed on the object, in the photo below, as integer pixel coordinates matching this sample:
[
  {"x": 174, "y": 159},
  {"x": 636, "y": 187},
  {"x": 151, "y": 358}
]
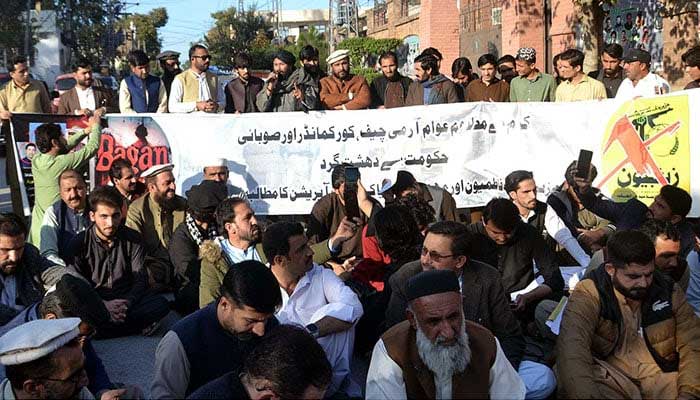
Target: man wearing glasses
[
  {"x": 447, "y": 246},
  {"x": 196, "y": 89},
  {"x": 43, "y": 359}
]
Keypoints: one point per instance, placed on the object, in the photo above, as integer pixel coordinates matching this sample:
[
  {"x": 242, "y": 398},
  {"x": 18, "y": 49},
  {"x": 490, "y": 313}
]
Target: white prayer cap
[
  {"x": 156, "y": 169},
  {"x": 337, "y": 56},
  {"x": 216, "y": 162},
  {"x": 36, "y": 339}
]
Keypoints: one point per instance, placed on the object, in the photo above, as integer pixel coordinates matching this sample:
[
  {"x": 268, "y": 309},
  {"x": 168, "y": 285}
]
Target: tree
[
  {"x": 12, "y": 25},
  {"x": 147, "y": 25},
  {"x": 232, "y": 33},
  {"x": 88, "y": 26}
]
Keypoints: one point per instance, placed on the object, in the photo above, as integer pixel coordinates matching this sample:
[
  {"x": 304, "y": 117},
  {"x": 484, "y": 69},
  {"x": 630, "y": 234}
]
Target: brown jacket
[
  {"x": 497, "y": 90},
  {"x": 334, "y": 92},
  {"x": 472, "y": 383},
  {"x": 590, "y": 329},
  {"x": 446, "y": 91},
  {"x": 69, "y": 102},
  {"x": 236, "y": 94}
]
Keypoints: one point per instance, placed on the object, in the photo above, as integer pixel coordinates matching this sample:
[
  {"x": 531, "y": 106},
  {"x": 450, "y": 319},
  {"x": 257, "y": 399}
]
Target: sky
[{"x": 188, "y": 20}]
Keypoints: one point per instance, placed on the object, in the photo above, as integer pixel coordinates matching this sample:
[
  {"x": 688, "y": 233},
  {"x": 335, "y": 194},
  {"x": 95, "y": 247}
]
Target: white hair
[{"x": 444, "y": 360}]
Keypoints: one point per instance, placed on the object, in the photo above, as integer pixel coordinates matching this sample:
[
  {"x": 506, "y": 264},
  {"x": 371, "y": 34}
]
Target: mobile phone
[
  {"x": 352, "y": 209},
  {"x": 583, "y": 165}
]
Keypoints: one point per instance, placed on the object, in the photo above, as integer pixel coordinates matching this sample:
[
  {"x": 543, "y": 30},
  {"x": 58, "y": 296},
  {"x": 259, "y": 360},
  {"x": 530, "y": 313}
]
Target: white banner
[{"x": 284, "y": 160}]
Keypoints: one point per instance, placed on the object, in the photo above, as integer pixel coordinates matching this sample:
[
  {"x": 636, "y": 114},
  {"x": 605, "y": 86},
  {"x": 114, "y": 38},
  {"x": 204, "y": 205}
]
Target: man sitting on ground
[
  {"x": 667, "y": 246},
  {"x": 287, "y": 364},
  {"x": 110, "y": 256},
  {"x": 437, "y": 353},
  {"x": 65, "y": 218},
  {"x": 217, "y": 339},
  {"x": 314, "y": 297},
  {"x": 627, "y": 331}
]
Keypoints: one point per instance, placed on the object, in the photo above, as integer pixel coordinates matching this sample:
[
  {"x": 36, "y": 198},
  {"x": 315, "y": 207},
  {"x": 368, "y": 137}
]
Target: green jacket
[
  {"x": 46, "y": 169},
  {"x": 215, "y": 265}
]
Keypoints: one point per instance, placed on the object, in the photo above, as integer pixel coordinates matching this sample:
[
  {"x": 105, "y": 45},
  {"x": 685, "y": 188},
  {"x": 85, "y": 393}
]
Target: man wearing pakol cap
[
  {"x": 53, "y": 159},
  {"x": 141, "y": 92},
  {"x": 155, "y": 216},
  {"x": 287, "y": 89},
  {"x": 43, "y": 359},
  {"x": 24, "y": 274},
  {"x": 216, "y": 169},
  {"x": 199, "y": 225},
  {"x": 343, "y": 90},
  {"x": 112, "y": 258},
  {"x": 75, "y": 298},
  {"x": 671, "y": 204},
  {"x": 640, "y": 81},
  {"x": 531, "y": 84},
  {"x": 196, "y": 89},
  {"x": 432, "y": 87},
  {"x": 170, "y": 64},
  {"x": 437, "y": 353}
]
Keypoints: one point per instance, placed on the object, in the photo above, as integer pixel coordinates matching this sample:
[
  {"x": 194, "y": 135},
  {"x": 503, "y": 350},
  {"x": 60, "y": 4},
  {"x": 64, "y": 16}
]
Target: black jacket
[
  {"x": 378, "y": 89},
  {"x": 483, "y": 302}
]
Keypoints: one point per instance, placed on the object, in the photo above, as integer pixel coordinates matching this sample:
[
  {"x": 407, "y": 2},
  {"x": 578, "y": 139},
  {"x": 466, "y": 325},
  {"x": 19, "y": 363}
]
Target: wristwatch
[{"x": 313, "y": 330}]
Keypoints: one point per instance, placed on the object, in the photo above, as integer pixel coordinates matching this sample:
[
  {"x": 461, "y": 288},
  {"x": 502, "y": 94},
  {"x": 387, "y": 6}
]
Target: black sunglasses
[{"x": 204, "y": 58}]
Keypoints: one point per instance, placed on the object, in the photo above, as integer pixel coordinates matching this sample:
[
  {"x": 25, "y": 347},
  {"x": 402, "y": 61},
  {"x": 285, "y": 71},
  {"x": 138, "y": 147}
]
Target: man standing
[
  {"x": 531, "y": 84},
  {"x": 314, "y": 297},
  {"x": 488, "y": 88},
  {"x": 462, "y": 76},
  {"x": 390, "y": 89},
  {"x": 432, "y": 87},
  {"x": 53, "y": 159},
  {"x": 612, "y": 73},
  {"x": 170, "y": 64},
  {"x": 65, "y": 218},
  {"x": 23, "y": 94},
  {"x": 437, "y": 353},
  {"x": 287, "y": 89},
  {"x": 640, "y": 81},
  {"x": 343, "y": 90},
  {"x": 308, "y": 57},
  {"x": 43, "y": 360},
  {"x": 628, "y": 331},
  {"x": 155, "y": 216},
  {"x": 121, "y": 173},
  {"x": 24, "y": 273},
  {"x": 577, "y": 86},
  {"x": 216, "y": 340},
  {"x": 85, "y": 98},
  {"x": 506, "y": 68},
  {"x": 196, "y": 89},
  {"x": 691, "y": 61},
  {"x": 242, "y": 90},
  {"x": 141, "y": 92}
]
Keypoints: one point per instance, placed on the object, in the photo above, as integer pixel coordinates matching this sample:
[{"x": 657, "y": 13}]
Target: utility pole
[
  {"x": 240, "y": 7},
  {"x": 28, "y": 33},
  {"x": 331, "y": 24}
]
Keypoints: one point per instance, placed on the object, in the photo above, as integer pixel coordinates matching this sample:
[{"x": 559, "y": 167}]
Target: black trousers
[{"x": 149, "y": 309}]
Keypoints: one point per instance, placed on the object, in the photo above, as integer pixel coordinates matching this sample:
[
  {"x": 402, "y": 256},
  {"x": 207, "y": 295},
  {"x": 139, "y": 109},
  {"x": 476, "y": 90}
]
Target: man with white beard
[{"x": 436, "y": 353}]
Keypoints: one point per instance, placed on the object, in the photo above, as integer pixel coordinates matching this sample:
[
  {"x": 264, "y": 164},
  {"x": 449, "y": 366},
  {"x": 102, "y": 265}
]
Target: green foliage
[
  {"x": 233, "y": 33},
  {"x": 147, "y": 29},
  {"x": 12, "y": 26},
  {"x": 368, "y": 73},
  {"x": 363, "y": 49},
  {"x": 87, "y": 23}
]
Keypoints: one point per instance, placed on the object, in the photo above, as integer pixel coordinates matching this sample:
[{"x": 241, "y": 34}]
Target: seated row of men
[{"x": 126, "y": 267}]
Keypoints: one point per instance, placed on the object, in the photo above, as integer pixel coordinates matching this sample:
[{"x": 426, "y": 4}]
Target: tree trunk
[
  {"x": 590, "y": 18},
  {"x": 680, "y": 33}
]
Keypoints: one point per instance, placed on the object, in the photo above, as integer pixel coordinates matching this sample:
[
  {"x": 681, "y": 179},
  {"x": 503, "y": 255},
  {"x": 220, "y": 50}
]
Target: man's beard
[
  {"x": 632, "y": 293},
  {"x": 164, "y": 201},
  {"x": 8, "y": 267},
  {"x": 444, "y": 361},
  {"x": 254, "y": 235},
  {"x": 312, "y": 69}
]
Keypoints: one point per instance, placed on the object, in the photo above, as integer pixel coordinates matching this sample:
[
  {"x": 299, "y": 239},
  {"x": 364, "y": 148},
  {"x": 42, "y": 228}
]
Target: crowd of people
[{"x": 441, "y": 306}]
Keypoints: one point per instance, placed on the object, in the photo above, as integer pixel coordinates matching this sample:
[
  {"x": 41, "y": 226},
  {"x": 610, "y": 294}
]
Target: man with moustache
[
  {"x": 141, "y": 92},
  {"x": 196, "y": 89},
  {"x": 170, "y": 64},
  {"x": 390, "y": 89},
  {"x": 155, "y": 216},
  {"x": 628, "y": 331},
  {"x": 667, "y": 247},
  {"x": 53, "y": 159},
  {"x": 640, "y": 81},
  {"x": 242, "y": 90},
  {"x": 112, "y": 258},
  {"x": 308, "y": 57},
  {"x": 65, "y": 218},
  {"x": 436, "y": 353},
  {"x": 121, "y": 174},
  {"x": 612, "y": 72},
  {"x": 343, "y": 90},
  {"x": 24, "y": 273},
  {"x": 287, "y": 89},
  {"x": 22, "y": 94},
  {"x": 85, "y": 98},
  {"x": 432, "y": 87}
]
